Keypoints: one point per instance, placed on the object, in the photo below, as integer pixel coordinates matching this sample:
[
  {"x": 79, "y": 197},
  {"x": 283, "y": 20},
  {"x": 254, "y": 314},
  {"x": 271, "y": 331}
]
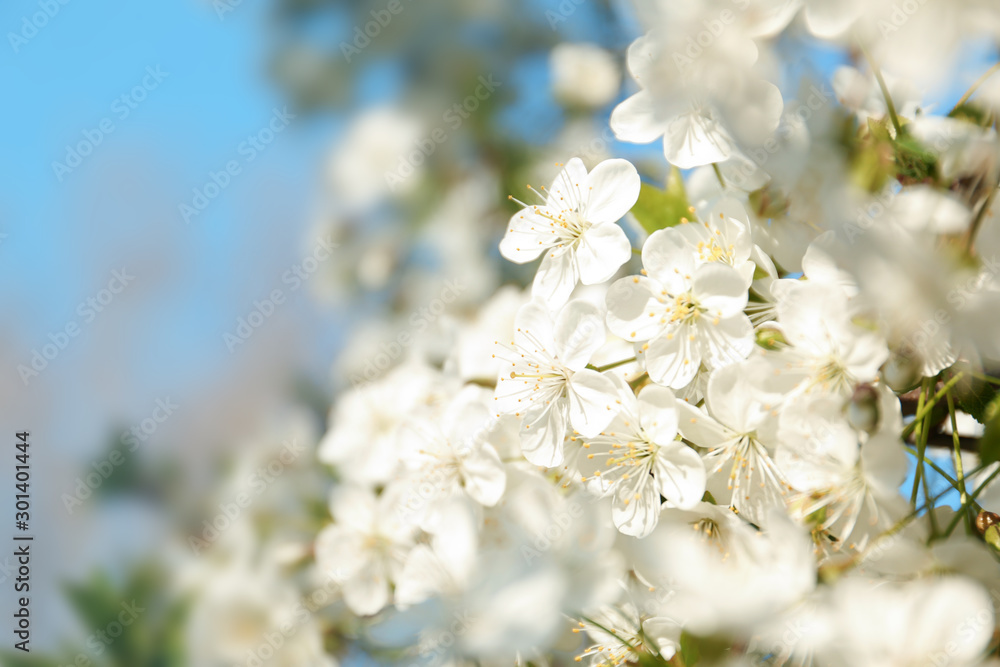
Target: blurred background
[
  {"x": 215, "y": 215},
  {"x": 168, "y": 167}
]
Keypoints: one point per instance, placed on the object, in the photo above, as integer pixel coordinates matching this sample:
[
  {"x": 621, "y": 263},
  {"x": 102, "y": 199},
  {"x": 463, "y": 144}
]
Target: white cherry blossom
[{"x": 574, "y": 228}]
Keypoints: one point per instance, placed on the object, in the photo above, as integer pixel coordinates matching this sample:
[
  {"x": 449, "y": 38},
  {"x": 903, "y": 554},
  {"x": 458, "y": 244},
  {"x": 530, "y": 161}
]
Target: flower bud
[
  {"x": 985, "y": 520},
  {"x": 770, "y": 338}
]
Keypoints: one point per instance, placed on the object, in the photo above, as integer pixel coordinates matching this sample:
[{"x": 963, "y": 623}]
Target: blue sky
[{"x": 119, "y": 207}]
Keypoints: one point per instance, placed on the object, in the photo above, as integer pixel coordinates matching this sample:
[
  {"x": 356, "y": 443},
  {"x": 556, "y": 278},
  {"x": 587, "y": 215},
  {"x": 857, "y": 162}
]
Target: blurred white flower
[
  {"x": 584, "y": 74},
  {"x": 364, "y": 549},
  {"x": 373, "y": 146}
]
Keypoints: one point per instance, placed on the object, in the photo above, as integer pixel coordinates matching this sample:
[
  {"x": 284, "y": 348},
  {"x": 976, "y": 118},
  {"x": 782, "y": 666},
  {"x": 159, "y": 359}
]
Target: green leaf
[
  {"x": 972, "y": 113},
  {"x": 695, "y": 649},
  {"x": 659, "y": 209},
  {"x": 989, "y": 444},
  {"x": 976, "y": 400}
]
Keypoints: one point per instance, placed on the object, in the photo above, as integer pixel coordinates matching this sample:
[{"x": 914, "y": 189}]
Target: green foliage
[
  {"x": 989, "y": 444},
  {"x": 27, "y": 660},
  {"x": 971, "y": 113},
  {"x": 659, "y": 209},
  {"x": 975, "y": 399},
  {"x": 702, "y": 650},
  {"x": 914, "y": 163},
  {"x": 153, "y": 639}
]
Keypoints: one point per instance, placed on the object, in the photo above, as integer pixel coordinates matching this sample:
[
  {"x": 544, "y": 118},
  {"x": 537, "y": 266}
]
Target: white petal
[
  {"x": 592, "y": 403},
  {"x": 528, "y": 234},
  {"x": 422, "y": 577},
  {"x": 658, "y": 413},
  {"x": 569, "y": 191},
  {"x": 630, "y": 301},
  {"x": 556, "y": 277},
  {"x": 636, "y": 516},
  {"x": 699, "y": 428},
  {"x": 340, "y": 552},
  {"x": 579, "y": 333},
  {"x": 680, "y": 475},
  {"x": 534, "y": 326},
  {"x": 720, "y": 289},
  {"x": 636, "y": 119},
  {"x": 543, "y": 431},
  {"x": 725, "y": 341},
  {"x": 353, "y": 506},
  {"x": 484, "y": 477},
  {"x": 694, "y": 139},
  {"x": 667, "y": 257},
  {"x": 614, "y": 190},
  {"x": 672, "y": 358},
  {"x": 367, "y": 592},
  {"x": 601, "y": 252}
]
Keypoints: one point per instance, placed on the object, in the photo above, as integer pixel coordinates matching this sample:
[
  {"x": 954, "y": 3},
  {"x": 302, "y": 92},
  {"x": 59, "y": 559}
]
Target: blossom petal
[
  {"x": 680, "y": 475},
  {"x": 630, "y": 302},
  {"x": 725, "y": 341},
  {"x": 483, "y": 476},
  {"x": 528, "y": 234},
  {"x": 368, "y": 591},
  {"x": 658, "y": 413},
  {"x": 569, "y": 190},
  {"x": 603, "y": 249},
  {"x": 613, "y": 190},
  {"x": 695, "y": 138},
  {"x": 637, "y": 119},
  {"x": 543, "y": 431},
  {"x": 673, "y": 358},
  {"x": 719, "y": 289},
  {"x": 592, "y": 403},
  {"x": 667, "y": 257},
  {"x": 636, "y": 507},
  {"x": 556, "y": 278},
  {"x": 534, "y": 328},
  {"x": 699, "y": 428},
  {"x": 579, "y": 333}
]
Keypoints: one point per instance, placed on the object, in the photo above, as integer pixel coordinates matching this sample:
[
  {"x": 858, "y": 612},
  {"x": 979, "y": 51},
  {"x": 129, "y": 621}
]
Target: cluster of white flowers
[{"x": 699, "y": 460}]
